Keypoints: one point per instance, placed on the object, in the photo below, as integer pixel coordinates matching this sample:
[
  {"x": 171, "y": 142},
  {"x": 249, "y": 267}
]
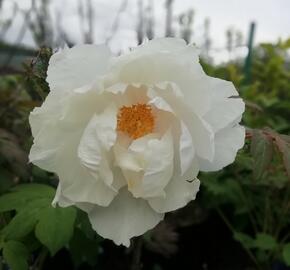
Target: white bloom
[{"x": 128, "y": 135}]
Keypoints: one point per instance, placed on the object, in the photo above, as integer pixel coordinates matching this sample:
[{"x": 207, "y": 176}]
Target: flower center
[{"x": 136, "y": 120}]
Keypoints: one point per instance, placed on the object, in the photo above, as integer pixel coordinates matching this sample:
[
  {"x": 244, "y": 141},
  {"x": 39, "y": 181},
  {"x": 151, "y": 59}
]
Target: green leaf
[
  {"x": 35, "y": 190},
  {"x": 262, "y": 256},
  {"x": 246, "y": 241},
  {"x": 24, "y": 221},
  {"x": 84, "y": 224},
  {"x": 28, "y": 200},
  {"x": 265, "y": 241},
  {"x": 32, "y": 244},
  {"x": 84, "y": 249},
  {"x": 212, "y": 184},
  {"x": 23, "y": 195},
  {"x": 22, "y": 224},
  {"x": 15, "y": 254},
  {"x": 55, "y": 227},
  {"x": 286, "y": 254},
  {"x": 11, "y": 201},
  {"x": 262, "y": 151}
]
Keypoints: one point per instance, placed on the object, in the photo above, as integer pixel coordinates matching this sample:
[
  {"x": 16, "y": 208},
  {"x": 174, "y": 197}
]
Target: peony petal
[
  {"x": 60, "y": 118},
  {"x": 76, "y": 67},
  {"x": 186, "y": 149},
  {"x": 162, "y": 45},
  {"x": 201, "y": 132},
  {"x": 224, "y": 113},
  {"x": 177, "y": 63},
  {"x": 163, "y": 112},
  {"x": 184, "y": 184},
  {"x": 147, "y": 165},
  {"x": 126, "y": 159},
  {"x": 227, "y": 142},
  {"x": 221, "y": 88},
  {"x": 62, "y": 201},
  {"x": 179, "y": 191},
  {"x": 118, "y": 88},
  {"x": 48, "y": 134},
  {"x": 178, "y": 194},
  {"x": 224, "y": 110},
  {"x": 43, "y": 158},
  {"x": 124, "y": 218},
  {"x": 158, "y": 169},
  {"x": 51, "y": 110},
  {"x": 158, "y": 101},
  {"x": 96, "y": 142},
  {"x": 79, "y": 185}
]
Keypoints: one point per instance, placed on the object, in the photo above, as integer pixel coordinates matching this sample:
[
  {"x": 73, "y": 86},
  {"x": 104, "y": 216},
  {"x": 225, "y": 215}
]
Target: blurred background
[
  {"x": 241, "y": 218},
  {"x": 221, "y": 29}
]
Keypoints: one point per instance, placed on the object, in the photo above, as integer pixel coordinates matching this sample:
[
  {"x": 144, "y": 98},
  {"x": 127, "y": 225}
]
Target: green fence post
[{"x": 248, "y": 61}]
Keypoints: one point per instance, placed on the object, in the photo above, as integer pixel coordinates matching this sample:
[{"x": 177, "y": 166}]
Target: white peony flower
[{"x": 128, "y": 135}]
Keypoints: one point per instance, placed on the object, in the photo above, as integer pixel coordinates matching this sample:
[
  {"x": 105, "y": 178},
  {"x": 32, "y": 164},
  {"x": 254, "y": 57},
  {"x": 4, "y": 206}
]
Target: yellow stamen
[{"x": 136, "y": 120}]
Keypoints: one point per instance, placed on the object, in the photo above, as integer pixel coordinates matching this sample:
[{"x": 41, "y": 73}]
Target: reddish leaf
[
  {"x": 262, "y": 151},
  {"x": 284, "y": 148}
]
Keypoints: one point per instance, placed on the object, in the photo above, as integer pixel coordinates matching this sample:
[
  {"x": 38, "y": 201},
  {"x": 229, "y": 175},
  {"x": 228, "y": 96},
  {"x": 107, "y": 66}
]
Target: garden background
[{"x": 241, "y": 217}]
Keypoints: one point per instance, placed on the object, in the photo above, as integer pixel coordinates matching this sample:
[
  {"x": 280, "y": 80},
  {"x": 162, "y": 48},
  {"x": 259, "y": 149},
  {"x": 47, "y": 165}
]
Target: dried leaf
[
  {"x": 262, "y": 152},
  {"x": 13, "y": 153},
  {"x": 284, "y": 148}
]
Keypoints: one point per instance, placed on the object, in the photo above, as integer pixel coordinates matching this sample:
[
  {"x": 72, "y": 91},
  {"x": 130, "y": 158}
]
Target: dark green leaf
[
  {"x": 6, "y": 180},
  {"x": 286, "y": 254},
  {"x": 35, "y": 190},
  {"x": 84, "y": 249},
  {"x": 265, "y": 241},
  {"x": 11, "y": 201},
  {"x": 213, "y": 185},
  {"x": 262, "y": 256},
  {"x": 15, "y": 254},
  {"x": 25, "y": 194},
  {"x": 84, "y": 225},
  {"x": 25, "y": 220},
  {"x": 246, "y": 241},
  {"x": 32, "y": 244},
  {"x": 55, "y": 227}
]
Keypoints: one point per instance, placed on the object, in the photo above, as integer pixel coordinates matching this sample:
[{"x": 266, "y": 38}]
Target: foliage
[
  {"x": 252, "y": 195},
  {"x": 52, "y": 227}
]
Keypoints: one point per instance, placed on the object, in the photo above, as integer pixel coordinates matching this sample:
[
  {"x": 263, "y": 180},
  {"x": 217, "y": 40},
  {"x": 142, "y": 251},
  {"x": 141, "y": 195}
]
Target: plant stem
[
  {"x": 284, "y": 210},
  {"x": 231, "y": 228},
  {"x": 267, "y": 213},
  {"x": 137, "y": 252},
  {"x": 251, "y": 216},
  {"x": 38, "y": 265}
]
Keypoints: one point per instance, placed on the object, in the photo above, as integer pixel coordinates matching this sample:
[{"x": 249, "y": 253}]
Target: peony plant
[{"x": 128, "y": 135}]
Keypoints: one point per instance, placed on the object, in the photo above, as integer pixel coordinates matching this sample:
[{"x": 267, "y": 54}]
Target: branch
[{"x": 137, "y": 252}]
